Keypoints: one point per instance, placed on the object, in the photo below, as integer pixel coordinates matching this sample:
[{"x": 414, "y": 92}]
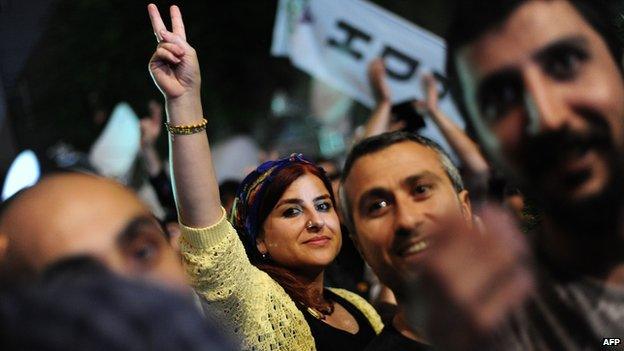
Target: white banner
[
  {"x": 335, "y": 41},
  {"x": 113, "y": 153}
]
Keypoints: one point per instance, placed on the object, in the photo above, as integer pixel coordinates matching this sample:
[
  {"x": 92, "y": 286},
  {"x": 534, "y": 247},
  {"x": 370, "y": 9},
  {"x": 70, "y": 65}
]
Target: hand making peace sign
[
  {"x": 175, "y": 70},
  {"x": 174, "y": 65}
]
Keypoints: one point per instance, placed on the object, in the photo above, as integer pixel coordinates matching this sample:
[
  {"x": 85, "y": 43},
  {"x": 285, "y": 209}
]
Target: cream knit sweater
[{"x": 245, "y": 300}]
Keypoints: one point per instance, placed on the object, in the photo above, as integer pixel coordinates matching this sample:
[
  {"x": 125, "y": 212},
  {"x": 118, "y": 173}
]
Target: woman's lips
[{"x": 318, "y": 240}]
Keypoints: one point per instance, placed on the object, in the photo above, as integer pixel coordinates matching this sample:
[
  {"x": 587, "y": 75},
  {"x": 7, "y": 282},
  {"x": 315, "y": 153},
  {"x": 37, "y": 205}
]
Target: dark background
[{"x": 60, "y": 61}]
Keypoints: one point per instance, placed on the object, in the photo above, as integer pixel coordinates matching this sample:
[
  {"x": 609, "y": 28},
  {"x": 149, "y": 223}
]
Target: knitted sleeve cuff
[{"x": 207, "y": 237}]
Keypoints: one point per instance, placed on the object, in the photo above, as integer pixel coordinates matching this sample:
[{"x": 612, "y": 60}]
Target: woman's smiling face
[{"x": 302, "y": 231}]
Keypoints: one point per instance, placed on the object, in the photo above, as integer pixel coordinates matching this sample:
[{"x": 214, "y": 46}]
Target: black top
[
  {"x": 328, "y": 338},
  {"x": 391, "y": 339}
]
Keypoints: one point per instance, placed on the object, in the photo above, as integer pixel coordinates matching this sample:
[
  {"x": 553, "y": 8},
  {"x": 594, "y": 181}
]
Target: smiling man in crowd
[{"x": 400, "y": 191}]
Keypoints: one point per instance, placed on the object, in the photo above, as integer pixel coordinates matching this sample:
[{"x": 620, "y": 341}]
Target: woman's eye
[
  {"x": 324, "y": 206},
  {"x": 291, "y": 212}
]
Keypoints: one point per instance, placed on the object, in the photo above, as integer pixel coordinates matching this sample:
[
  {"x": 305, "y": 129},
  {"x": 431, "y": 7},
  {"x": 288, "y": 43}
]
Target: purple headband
[{"x": 246, "y": 208}]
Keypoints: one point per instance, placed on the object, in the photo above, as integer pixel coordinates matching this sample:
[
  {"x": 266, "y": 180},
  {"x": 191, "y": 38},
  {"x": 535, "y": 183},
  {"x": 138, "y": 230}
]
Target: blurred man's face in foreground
[
  {"x": 545, "y": 85},
  {"x": 75, "y": 214}
]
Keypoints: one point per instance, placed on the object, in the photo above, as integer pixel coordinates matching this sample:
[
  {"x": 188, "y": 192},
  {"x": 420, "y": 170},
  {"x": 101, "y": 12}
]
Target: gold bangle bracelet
[{"x": 187, "y": 129}]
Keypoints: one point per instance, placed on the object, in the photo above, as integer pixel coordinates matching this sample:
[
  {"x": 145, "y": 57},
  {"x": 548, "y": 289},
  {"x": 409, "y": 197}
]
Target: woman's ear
[{"x": 261, "y": 245}]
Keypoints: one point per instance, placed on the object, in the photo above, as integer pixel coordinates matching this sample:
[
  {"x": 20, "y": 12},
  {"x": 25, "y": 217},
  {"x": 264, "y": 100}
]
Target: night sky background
[{"x": 60, "y": 61}]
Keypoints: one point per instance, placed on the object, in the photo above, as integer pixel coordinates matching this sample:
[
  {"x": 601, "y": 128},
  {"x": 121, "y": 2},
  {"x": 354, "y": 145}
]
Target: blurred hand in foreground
[{"x": 473, "y": 281}]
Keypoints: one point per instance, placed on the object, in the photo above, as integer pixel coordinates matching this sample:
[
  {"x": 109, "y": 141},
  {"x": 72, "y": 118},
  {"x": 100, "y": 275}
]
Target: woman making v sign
[{"x": 262, "y": 275}]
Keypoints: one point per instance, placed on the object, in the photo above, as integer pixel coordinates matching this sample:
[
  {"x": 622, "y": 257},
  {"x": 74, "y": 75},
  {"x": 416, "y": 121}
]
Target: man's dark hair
[
  {"x": 473, "y": 18},
  {"x": 382, "y": 141}
]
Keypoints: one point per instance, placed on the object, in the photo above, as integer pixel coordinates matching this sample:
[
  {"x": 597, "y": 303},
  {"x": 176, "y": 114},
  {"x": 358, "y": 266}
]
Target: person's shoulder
[
  {"x": 346, "y": 294},
  {"x": 361, "y": 304},
  {"x": 352, "y": 298}
]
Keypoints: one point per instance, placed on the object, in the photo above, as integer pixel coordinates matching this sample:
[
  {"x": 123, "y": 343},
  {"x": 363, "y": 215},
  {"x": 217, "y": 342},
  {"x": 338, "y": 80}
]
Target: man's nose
[
  {"x": 545, "y": 105},
  {"x": 408, "y": 216}
]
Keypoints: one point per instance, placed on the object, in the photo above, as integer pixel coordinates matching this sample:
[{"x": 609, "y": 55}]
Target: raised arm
[
  {"x": 466, "y": 149},
  {"x": 379, "y": 121},
  {"x": 175, "y": 70}
]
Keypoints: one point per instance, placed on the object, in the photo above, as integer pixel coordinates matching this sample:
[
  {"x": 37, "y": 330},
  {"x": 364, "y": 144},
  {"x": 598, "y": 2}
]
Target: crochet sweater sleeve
[{"x": 242, "y": 298}]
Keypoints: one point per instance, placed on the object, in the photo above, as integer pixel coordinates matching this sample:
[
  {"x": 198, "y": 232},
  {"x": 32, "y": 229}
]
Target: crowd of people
[{"x": 446, "y": 258}]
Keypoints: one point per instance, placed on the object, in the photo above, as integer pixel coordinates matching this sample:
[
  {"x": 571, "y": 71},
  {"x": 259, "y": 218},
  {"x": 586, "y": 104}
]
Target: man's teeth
[{"x": 416, "y": 248}]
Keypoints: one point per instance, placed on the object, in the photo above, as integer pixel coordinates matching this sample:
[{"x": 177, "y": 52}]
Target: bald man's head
[{"x": 76, "y": 214}]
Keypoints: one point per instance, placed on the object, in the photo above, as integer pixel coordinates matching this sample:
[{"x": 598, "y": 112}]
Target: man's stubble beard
[{"x": 597, "y": 215}]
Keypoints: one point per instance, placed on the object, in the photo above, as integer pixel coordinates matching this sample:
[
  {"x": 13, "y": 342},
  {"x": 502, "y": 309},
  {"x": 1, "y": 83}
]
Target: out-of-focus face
[
  {"x": 75, "y": 214},
  {"x": 400, "y": 198},
  {"x": 546, "y": 87},
  {"x": 302, "y": 232}
]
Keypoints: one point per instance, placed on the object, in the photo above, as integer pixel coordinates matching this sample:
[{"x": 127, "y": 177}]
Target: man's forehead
[
  {"x": 66, "y": 202},
  {"x": 531, "y": 27},
  {"x": 392, "y": 165}
]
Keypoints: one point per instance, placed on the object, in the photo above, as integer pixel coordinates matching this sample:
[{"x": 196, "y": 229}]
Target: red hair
[{"x": 296, "y": 289}]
